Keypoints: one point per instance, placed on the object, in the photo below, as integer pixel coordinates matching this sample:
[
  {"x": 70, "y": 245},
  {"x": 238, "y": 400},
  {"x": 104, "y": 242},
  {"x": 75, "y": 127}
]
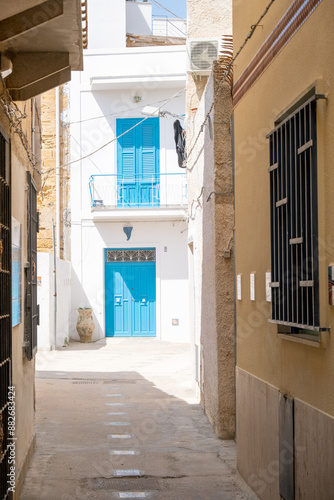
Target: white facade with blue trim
[{"x": 128, "y": 194}]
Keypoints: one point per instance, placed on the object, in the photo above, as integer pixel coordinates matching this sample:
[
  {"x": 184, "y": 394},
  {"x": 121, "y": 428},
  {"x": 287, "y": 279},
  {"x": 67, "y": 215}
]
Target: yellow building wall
[
  {"x": 264, "y": 360},
  {"x": 284, "y": 364},
  {"x": 23, "y": 370}
]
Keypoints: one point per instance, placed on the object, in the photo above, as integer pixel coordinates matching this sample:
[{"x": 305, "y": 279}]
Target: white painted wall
[
  {"x": 201, "y": 162},
  {"x": 106, "y": 89},
  {"x": 139, "y": 18},
  {"x": 90, "y": 239},
  {"x": 45, "y": 297},
  {"x": 106, "y": 24},
  {"x": 91, "y": 135},
  {"x": 146, "y": 68}
]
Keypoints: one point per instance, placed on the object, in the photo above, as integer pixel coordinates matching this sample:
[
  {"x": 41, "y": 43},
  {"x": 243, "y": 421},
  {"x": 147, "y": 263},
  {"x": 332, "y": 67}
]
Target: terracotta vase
[{"x": 85, "y": 325}]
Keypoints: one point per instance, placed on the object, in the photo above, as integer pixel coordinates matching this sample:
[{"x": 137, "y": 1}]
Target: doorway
[{"x": 130, "y": 292}]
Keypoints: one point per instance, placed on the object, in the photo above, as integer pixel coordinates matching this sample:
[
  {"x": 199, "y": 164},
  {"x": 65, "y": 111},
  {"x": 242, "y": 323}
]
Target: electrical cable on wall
[
  {"x": 112, "y": 140},
  {"x": 15, "y": 117},
  {"x": 123, "y": 111},
  {"x": 12, "y": 110},
  {"x": 227, "y": 72}
]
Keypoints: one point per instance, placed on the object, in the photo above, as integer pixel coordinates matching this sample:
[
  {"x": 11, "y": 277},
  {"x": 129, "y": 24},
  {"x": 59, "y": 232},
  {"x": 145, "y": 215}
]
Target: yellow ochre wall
[{"x": 267, "y": 364}]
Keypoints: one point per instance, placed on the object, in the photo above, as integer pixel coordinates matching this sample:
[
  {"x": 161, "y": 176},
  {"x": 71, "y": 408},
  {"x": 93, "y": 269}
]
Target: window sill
[{"x": 319, "y": 341}]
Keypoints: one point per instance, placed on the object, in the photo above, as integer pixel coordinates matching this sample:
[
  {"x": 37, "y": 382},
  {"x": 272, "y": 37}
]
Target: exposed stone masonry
[{"x": 47, "y": 195}]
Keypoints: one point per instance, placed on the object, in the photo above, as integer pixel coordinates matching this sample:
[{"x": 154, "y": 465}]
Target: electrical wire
[
  {"x": 15, "y": 118},
  {"x": 165, "y": 8},
  {"x": 123, "y": 111},
  {"x": 109, "y": 142},
  {"x": 227, "y": 73}
]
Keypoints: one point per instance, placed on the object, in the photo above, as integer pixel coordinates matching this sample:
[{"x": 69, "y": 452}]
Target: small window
[{"x": 294, "y": 220}]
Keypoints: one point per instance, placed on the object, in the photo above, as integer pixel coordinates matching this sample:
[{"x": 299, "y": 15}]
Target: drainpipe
[
  {"x": 57, "y": 173},
  {"x": 54, "y": 346}
]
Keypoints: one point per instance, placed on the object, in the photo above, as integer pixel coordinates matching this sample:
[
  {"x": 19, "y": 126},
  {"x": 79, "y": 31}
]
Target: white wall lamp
[
  {"x": 6, "y": 66},
  {"x": 136, "y": 98}
]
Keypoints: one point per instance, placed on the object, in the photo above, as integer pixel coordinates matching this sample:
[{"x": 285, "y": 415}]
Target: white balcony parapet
[{"x": 114, "y": 192}]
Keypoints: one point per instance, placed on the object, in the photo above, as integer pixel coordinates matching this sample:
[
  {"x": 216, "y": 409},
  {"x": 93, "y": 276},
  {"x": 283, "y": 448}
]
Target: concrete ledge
[{"x": 319, "y": 341}]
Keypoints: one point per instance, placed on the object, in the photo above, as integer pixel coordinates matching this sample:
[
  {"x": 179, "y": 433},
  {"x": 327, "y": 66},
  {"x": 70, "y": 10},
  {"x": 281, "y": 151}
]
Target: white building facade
[{"x": 128, "y": 194}]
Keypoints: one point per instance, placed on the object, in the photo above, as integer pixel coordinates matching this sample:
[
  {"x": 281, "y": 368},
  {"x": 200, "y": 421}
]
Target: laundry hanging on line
[{"x": 180, "y": 143}]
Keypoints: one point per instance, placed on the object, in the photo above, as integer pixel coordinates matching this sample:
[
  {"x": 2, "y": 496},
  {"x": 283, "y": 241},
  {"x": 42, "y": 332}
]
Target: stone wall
[
  {"x": 47, "y": 195},
  {"x": 211, "y": 213}
]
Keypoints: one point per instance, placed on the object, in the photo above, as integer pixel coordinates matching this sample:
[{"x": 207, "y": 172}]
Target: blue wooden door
[
  {"x": 138, "y": 170},
  {"x": 130, "y": 299}
]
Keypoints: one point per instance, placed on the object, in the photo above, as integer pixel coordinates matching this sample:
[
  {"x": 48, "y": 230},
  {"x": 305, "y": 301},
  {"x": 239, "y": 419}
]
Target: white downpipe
[{"x": 57, "y": 173}]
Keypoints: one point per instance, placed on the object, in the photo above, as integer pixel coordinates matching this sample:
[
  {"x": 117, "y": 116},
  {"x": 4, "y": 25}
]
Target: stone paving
[{"x": 119, "y": 418}]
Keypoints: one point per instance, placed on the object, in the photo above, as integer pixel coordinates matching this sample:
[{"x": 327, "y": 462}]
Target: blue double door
[{"x": 130, "y": 299}]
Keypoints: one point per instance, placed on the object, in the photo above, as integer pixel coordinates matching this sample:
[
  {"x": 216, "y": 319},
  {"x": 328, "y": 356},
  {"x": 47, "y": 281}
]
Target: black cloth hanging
[{"x": 180, "y": 143}]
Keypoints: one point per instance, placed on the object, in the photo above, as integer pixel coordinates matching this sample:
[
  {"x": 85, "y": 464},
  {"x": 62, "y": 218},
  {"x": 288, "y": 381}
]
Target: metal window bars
[
  {"x": 5, "y": 312},
  {"x": 31, "y": 307},
  {"x": 294, "y": 219}
]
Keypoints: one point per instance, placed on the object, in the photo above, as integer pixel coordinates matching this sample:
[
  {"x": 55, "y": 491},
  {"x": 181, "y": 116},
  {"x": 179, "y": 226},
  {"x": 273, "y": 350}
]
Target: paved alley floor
[{"x": 119, "y": 418}]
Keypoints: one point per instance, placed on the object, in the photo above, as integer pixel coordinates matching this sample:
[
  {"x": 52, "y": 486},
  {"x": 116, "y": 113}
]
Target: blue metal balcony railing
[{"x": 159, "y": 190}]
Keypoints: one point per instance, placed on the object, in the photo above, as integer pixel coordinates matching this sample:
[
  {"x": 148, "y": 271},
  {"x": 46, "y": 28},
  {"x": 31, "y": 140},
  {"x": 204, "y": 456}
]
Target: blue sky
[{"x": 179, "y": 7}]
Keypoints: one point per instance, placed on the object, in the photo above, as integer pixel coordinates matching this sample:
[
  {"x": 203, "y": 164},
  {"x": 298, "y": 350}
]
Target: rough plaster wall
[
  {"x": 211, "y": 227},
  {"x": 209, "y": 19},
  {"x": 209, "y": 365},
  {"x": 205, "y": 20},
  {"x": 23, "y": 371},
  {"x": 47, "y": 196},
  {"x": 224, "y": 268},
  {"x": 217, "y": 331},
  {"x": 195, "y": 183}
]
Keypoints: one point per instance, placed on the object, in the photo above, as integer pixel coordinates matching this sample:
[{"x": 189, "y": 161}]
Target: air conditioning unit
[{"x": 201, "y": 52}]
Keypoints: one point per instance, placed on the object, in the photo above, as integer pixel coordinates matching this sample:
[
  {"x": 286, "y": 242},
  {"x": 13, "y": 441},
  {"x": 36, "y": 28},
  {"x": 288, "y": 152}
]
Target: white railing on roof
[{"x": 165, "y": 26}]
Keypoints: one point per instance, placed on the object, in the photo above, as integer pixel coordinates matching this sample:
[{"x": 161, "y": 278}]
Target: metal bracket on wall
[{"x": 219, "y": 193}]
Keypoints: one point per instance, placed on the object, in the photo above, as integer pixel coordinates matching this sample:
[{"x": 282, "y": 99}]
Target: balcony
[{"x": 150, "y": 197}]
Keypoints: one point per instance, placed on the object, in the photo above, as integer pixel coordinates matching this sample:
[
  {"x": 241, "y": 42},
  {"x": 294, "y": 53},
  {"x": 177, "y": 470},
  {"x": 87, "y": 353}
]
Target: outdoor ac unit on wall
[{"x": 201, "y": 52}]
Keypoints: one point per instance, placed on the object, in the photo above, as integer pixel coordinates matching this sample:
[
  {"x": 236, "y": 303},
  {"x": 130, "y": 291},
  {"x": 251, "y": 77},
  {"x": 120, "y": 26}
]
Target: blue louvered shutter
[
  {"x": 126, "y": 154},
  {"x": 138, "y": 181},
  {"x": 148, "y": 151}
]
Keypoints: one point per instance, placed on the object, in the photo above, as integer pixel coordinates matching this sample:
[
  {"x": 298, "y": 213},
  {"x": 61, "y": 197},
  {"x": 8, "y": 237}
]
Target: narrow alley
[{"x": 119, "y": 418}]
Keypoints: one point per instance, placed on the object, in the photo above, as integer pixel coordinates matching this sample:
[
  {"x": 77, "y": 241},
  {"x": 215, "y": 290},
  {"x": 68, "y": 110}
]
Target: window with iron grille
[
  {"x": 31, "y": 306},
  {"x": 5, "y": 312},
  {"x": 294, "y": 220}
]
